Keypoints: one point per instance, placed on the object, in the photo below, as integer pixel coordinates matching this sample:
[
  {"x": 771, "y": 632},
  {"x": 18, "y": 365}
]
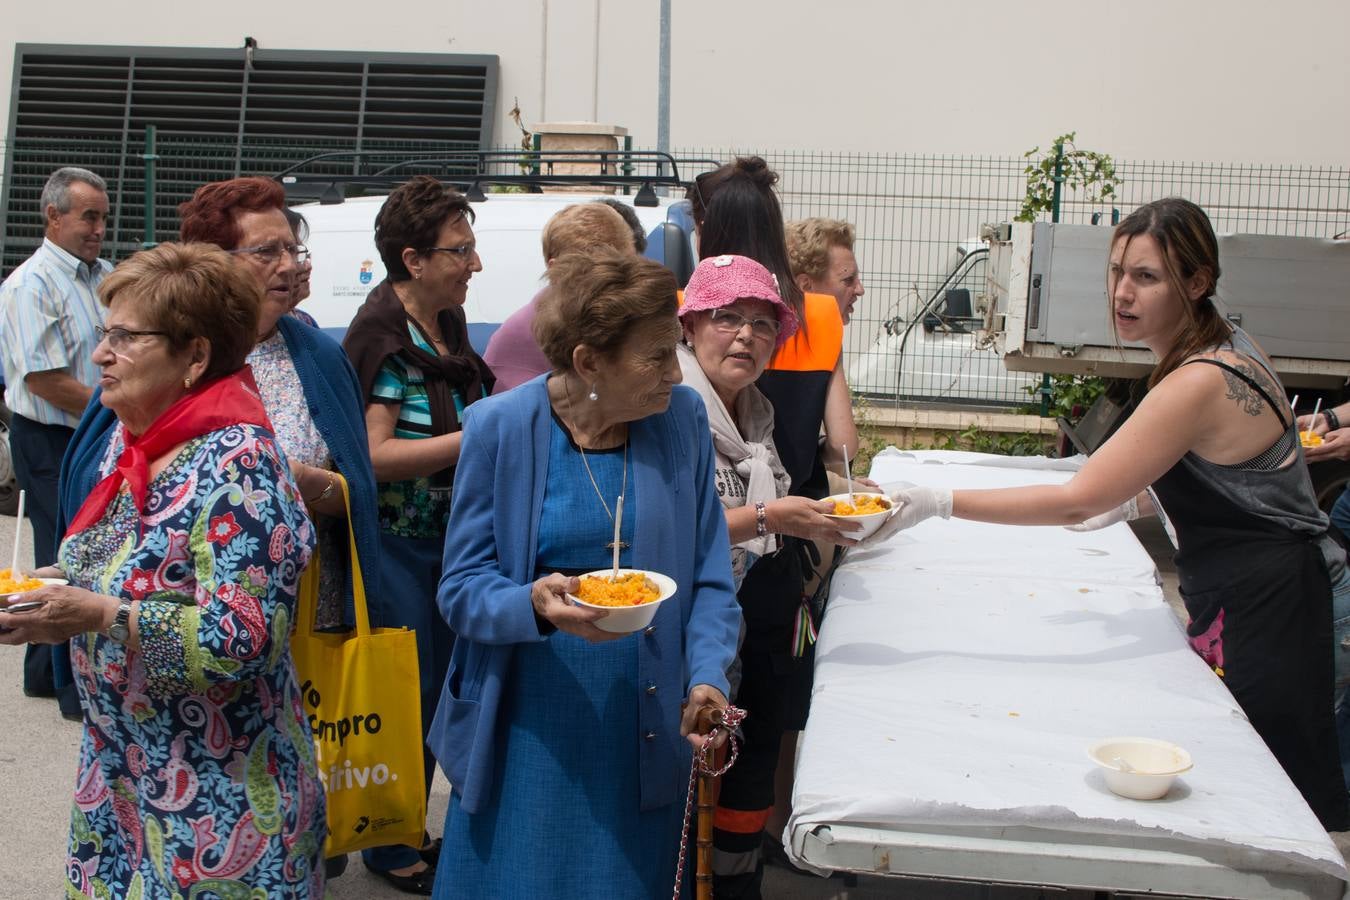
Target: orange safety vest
[{"x": 816, "y": 347}]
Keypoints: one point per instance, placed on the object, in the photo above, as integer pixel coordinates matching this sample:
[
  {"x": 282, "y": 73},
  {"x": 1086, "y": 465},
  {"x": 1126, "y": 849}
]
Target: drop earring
[
  {"x": 187, "y": 383},
  {"x": 592, "y": 396}
]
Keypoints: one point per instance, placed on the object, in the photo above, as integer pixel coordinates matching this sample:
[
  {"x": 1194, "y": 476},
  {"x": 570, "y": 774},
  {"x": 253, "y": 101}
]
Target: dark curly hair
[
  {"x": 412, "y": 216},
  {"x": 737, "y": 212}
]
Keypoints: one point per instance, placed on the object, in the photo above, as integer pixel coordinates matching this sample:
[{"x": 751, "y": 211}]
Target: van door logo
[{"x": 367, "y": 271}]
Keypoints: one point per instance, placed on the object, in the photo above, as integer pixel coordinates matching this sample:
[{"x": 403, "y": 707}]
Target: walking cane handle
[{"x": 708, "y": 718}]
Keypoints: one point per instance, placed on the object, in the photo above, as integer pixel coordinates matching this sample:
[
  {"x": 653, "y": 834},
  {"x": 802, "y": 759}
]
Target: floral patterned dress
[{"x": 197, "y": 776}]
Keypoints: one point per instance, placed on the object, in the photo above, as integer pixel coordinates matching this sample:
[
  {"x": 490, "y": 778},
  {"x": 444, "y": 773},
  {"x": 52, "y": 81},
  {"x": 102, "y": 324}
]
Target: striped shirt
[
  {"x": 411, "y": 507},
  {"x": 48, "y": 311}
]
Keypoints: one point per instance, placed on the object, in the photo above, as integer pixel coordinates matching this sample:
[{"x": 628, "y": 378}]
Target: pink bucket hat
[{"x": 722, "y": 280}]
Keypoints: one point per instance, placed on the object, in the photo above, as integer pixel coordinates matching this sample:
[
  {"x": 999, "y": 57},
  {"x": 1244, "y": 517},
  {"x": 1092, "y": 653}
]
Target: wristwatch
[{"x": 120, "y": 628}]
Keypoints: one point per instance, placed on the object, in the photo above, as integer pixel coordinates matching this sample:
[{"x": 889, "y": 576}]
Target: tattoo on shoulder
[{"x": 1252, "y": 403}]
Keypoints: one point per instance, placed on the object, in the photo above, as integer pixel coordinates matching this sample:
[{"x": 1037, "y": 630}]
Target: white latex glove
[
  {"x": 1125, "y": 512},
  {"x": 912, "y": 506}
]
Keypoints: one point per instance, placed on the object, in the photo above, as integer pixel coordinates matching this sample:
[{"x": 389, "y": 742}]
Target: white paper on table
[{"x": 964, "y": 668}]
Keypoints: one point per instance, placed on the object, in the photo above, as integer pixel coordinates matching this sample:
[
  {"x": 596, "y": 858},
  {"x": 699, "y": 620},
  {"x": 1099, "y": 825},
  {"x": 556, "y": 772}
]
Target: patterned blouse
[
  {"x": 283, "y": 397},
  {"x": 197, "y": 772}
]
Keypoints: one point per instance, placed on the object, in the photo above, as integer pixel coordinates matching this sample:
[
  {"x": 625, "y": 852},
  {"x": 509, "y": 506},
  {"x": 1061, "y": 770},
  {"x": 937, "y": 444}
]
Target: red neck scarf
[{"x": 230, "y": 400}]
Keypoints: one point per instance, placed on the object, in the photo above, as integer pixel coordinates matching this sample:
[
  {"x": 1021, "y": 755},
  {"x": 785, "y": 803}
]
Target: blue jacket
[
  {"x": 335, "y": 403},
  {"x": 489, "y": 568}
]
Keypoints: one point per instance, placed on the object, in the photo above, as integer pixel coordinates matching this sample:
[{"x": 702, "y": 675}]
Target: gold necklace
[
  {"x": 428, "y": 333},
  {"x": 623, "y": 488}
]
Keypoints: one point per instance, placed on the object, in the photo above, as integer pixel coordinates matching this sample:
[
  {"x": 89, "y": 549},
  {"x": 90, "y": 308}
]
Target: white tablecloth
[{"x": 964, "y": 668}]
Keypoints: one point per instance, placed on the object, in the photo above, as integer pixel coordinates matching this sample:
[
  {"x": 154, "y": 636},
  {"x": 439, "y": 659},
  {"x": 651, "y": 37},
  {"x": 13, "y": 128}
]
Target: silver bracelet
[{"x": 761, "y": 520}]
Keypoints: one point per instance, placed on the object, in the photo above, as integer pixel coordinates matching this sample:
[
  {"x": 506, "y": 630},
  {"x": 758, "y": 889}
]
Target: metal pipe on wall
[
  {"x": 595, "y": 69},
  {"x": 543, "y": 61},
  {"x": 663, "y": 82}
]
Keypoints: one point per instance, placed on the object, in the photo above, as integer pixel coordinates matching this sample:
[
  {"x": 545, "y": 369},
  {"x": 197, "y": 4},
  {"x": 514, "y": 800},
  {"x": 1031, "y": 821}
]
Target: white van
[
  {"x": 507, "y": 228},
  {"x": 934, "y": 350}
]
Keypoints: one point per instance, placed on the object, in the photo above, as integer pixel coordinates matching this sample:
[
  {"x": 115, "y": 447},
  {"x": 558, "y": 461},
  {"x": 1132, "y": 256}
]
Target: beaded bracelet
[{"x": 761, "y": 520}]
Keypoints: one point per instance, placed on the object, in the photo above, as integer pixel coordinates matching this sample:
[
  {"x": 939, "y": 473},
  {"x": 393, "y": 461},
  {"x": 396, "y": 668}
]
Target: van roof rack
[{"x": 365, "y": 172}]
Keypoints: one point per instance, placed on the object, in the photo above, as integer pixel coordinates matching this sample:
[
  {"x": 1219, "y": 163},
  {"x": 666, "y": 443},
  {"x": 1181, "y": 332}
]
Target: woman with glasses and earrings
[
  {"x": 736, "y": 211},
  {"x": 733, "y": 321},
  {"x": 307, "y": 386},
  {"x": 567, "y": 746},
  {"x": 410, "y": 345},
  {"x": 197, "y": 770}
]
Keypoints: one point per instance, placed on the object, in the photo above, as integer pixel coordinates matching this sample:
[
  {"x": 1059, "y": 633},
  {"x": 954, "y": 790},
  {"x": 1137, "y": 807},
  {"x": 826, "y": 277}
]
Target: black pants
[
  {"x": 37, "y": 450},
  {"x": 775, "y": 693}
]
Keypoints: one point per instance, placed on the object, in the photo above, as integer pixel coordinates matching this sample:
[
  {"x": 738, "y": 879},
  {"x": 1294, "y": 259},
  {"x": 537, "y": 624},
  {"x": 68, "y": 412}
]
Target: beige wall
[{"x": 1151, "y": 79}]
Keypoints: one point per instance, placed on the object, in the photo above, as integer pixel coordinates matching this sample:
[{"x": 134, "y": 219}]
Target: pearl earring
[{"x": 592, "y": 396}]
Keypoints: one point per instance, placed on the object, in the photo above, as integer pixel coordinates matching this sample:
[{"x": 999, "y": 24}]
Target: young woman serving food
[{"x": 1218, "y": 445}]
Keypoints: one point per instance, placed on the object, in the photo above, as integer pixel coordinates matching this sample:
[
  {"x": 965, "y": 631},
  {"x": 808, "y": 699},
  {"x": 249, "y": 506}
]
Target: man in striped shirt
[{"x": 49, "y": 312}]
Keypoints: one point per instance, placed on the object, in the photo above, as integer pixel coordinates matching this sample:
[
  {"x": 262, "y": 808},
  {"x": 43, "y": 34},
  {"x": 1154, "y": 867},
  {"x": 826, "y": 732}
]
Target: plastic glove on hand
[
  {"x": 1125, "y": 512},
  {"x": 912, "y": 506}
]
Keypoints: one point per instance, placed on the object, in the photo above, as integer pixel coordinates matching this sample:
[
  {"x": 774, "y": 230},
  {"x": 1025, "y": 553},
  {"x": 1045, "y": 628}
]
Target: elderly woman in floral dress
[{"x": 197, "y": 773}]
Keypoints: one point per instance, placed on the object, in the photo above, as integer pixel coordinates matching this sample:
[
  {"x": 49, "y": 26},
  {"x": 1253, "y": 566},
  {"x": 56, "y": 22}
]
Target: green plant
[
  {"x": 1083, "y": 170},
  {"x": 1066, "y": 393},
  {"x": 1001, "y": 443}
]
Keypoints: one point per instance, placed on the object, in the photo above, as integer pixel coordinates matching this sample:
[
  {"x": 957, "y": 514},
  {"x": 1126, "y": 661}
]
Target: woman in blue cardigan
[{"x": 569, "y": 747}]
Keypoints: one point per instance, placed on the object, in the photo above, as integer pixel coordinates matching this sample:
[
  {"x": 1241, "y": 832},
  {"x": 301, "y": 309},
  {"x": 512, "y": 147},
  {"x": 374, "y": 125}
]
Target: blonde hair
[
  {"x": 583, "y": 226},
  {"x": 192, "y": 291},
  {"x": 809, "y": 242}
]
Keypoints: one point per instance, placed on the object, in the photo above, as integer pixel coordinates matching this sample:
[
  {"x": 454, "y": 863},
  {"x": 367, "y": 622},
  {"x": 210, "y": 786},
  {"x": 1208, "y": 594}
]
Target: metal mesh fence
[
  {"x": 917, "y": 219},
  {"x": 182, "y": 164}
]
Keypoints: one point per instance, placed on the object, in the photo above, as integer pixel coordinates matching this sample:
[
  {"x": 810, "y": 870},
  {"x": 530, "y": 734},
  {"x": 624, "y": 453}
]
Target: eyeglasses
[
  {"x": 731, "y": 322},
  {"x": 463, "y": 251},
  {"x": 270, "y": 254},
  {"x": 120, "y": 338}
]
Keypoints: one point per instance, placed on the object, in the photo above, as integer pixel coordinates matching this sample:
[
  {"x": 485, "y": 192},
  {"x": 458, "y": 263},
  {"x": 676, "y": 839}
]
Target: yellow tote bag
[{"x": 362, "y": 702}]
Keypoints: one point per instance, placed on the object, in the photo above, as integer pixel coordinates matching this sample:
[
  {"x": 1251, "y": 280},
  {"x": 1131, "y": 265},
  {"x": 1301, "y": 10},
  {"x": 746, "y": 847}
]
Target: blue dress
[{"x": 564, "y": 817}]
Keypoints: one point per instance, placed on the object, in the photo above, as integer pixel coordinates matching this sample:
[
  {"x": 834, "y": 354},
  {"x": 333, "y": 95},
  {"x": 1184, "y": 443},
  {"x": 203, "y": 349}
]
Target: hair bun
[{"x": 756, "y": 169}]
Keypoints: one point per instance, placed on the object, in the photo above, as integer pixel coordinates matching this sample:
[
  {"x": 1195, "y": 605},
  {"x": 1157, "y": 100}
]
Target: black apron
[{"x": 1259, "y": 598}]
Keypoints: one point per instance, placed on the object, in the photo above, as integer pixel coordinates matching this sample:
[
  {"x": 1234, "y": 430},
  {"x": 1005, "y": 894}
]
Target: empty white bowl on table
[
  {"x": 626, "y": 619},
  {"x": 1139, "y": 768},
  {"x": 870, "y": 522}
]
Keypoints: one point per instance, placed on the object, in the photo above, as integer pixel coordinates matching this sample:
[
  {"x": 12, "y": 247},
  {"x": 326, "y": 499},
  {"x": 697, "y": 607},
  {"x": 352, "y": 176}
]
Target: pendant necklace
[
  {"x": 623, "y": 545},
  {"x": 623, "y": 488}
]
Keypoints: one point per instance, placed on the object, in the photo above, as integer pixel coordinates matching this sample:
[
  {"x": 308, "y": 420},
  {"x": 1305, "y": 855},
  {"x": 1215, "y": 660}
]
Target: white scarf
[{"x": 753, "y": 455}]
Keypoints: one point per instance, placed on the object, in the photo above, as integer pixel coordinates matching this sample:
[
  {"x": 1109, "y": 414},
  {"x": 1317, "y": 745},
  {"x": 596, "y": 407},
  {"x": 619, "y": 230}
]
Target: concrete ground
[{"x": 38, "y": 753}]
